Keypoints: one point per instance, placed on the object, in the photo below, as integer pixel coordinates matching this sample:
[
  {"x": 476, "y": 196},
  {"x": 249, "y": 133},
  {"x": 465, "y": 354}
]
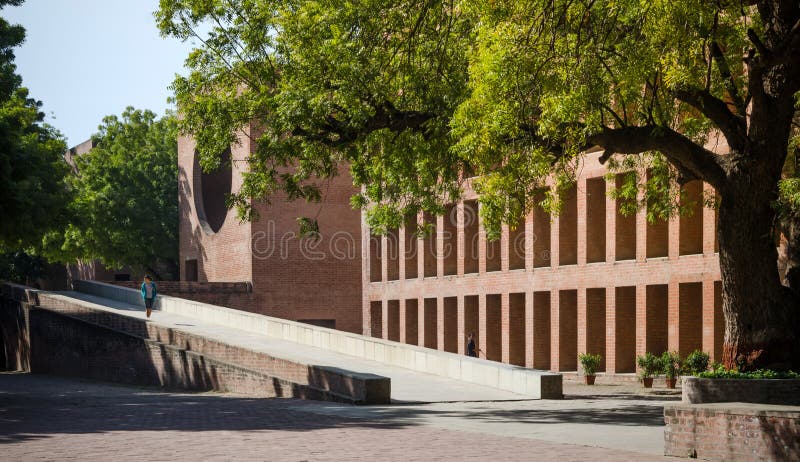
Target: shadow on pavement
[{"x": 36, "y": 406}]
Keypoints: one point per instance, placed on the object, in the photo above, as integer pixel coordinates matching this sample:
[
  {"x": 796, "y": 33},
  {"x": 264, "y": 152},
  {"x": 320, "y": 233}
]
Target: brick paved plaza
[{"x": 49, "y": 418}]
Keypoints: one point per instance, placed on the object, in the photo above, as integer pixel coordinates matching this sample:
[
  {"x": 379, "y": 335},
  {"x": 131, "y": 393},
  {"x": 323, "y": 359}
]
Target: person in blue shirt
[{"x": 149, "y": 293}]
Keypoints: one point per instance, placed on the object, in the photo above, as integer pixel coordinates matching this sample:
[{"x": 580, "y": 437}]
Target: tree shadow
[{"x": 36, "y": 406}]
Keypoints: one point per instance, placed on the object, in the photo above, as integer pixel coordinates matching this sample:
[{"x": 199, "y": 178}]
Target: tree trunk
[
  {"x": 790, "y": 261},
  {"x": 761, "y": 315}
]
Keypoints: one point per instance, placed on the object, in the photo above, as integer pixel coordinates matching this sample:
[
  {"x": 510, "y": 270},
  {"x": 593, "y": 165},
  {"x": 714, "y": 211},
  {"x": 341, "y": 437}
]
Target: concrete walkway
[
  {"x": 408, "y": 386},
  {"x": 53, "y": 418}
]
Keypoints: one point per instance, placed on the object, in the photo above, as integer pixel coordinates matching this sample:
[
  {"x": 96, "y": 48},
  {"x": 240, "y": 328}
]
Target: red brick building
[
  {"x": 589, "y": 280},
  {"x": 292, "y": 277}
]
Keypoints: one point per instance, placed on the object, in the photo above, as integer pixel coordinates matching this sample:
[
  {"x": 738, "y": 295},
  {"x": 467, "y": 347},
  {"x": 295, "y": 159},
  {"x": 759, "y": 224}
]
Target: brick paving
[{"x": 49, "y": 418}]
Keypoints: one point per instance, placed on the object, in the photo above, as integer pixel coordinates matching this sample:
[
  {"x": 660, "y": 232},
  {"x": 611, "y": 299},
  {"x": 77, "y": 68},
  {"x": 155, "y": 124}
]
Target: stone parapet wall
[{"x": 732, "y": 431}]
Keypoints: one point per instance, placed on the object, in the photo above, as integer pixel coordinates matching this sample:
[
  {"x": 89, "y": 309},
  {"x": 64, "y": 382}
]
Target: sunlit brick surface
[{"x": 590, "y": 280}]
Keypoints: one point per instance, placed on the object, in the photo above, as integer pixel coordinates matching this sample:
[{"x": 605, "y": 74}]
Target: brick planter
[
  {"x": 766, "y": 391},
  {"x": 732, "y": 431}
]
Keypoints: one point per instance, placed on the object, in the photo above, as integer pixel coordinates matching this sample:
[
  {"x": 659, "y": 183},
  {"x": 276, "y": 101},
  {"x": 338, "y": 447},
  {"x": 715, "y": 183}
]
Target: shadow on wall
[
  {"x": 189, "y": 235},
  {"x": 781, "y": 437}
]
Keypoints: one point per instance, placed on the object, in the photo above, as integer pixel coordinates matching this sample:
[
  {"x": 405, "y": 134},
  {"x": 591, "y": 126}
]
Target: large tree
[
  {"x": 413, "y": 92},
  {"x": 124, "y": 209},
  {"x": 32, "y": 168}
]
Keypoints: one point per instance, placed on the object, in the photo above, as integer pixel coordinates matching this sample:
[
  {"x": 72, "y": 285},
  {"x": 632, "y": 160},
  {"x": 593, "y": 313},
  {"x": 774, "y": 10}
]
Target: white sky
[{"x": 85, "y": 59}]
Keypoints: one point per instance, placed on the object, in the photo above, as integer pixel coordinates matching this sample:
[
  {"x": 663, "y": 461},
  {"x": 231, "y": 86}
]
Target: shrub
[
  {"x": 589, "y": 363},
  {"x": 671, "y": 364},
  {"x": 649, "y": 365},
  {"x": 719, "y": 372},
  {"x": 696, "y": 362}
]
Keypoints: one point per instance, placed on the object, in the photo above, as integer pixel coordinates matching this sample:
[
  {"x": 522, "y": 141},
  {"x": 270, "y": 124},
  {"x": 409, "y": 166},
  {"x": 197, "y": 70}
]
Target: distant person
[
  {"x": 149, "y": 293},
  {"x": 472, "y": 349}
]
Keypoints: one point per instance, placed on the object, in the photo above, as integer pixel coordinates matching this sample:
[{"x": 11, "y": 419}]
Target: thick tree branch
[
  {"x": 334, "y": 133},
  {"x": 733, "y": 126},
  {"x": 691, "y": 160}
]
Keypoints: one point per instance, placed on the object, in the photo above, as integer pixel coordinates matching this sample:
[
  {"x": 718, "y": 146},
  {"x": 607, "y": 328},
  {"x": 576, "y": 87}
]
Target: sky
[{"x": 85, "y": 59}]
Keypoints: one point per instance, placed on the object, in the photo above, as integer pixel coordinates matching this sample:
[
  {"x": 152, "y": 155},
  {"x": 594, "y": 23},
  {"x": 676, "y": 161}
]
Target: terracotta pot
[
  {"x": 647, "y": 382},
  {"x": 671, "y": 382},
  {"x": 588, "y": 379}
]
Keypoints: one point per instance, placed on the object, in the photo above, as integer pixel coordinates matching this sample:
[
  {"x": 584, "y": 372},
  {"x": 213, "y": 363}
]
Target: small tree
[
  {"x": 125, "y": 209},
  {"x": 671, "y": 364}
]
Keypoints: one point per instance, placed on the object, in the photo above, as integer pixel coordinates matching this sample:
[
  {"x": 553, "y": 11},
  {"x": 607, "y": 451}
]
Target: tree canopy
[
  {"x": 416, "y": 94},
  {"x": 32, "y": 169},
  {"x": 125, "y": 205}
]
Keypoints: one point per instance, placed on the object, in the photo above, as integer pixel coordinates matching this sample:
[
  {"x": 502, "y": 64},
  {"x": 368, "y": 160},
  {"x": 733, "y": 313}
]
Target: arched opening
[{"x": 210, "y": 192}]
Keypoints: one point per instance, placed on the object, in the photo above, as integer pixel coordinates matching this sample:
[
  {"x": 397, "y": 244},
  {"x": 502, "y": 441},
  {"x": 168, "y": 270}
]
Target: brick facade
[
  {"x": 588, "y": 280},
  {"x": 292, "y": 277}
]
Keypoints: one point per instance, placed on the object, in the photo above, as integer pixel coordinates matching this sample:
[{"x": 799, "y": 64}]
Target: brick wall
[
  {"x": 292, "y": 277},
  {"x": 732, "y": 431},
  {"x": 622, "y": 278}
]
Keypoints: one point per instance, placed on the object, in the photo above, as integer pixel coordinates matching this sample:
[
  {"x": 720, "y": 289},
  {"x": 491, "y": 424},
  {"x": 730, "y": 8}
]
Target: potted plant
[
  {"x": 696, "y": 362},
  {"x": 589, "y": 364},
  {"x": 649, "y": 365},
  {"x": 671, "y": 366}
]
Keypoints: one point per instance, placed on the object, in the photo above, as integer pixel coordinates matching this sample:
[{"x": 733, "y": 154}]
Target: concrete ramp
[{"x": 304, "y": 361}]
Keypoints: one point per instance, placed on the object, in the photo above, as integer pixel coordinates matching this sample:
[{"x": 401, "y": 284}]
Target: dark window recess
[
  {"x": 329, "y": 323},
  {"x": 191, "y": 270},
  {"x": 122, "y": 277}
]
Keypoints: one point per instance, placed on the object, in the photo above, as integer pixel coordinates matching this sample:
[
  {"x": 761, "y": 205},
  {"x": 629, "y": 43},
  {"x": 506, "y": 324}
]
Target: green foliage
[
  {"x": 696, "y": 362},
  {"x": 649, "y": 365},
  {"x": 719, "y": 371},
  {"x": 411, "y": 94},
  {"x": 364, "y": 84},
  {"x": 32, "y": 168},
  {"x": 671, "y": 364},
  {"x": 21, "y": 267},
  {"x": 125, "y": 206},
  {"x": 590, "y": 363}
]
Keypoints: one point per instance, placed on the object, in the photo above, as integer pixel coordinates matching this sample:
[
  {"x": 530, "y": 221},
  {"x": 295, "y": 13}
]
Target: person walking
[
  {"x": 472, "y": 349},
  {"x": 149, "y": 292}
]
